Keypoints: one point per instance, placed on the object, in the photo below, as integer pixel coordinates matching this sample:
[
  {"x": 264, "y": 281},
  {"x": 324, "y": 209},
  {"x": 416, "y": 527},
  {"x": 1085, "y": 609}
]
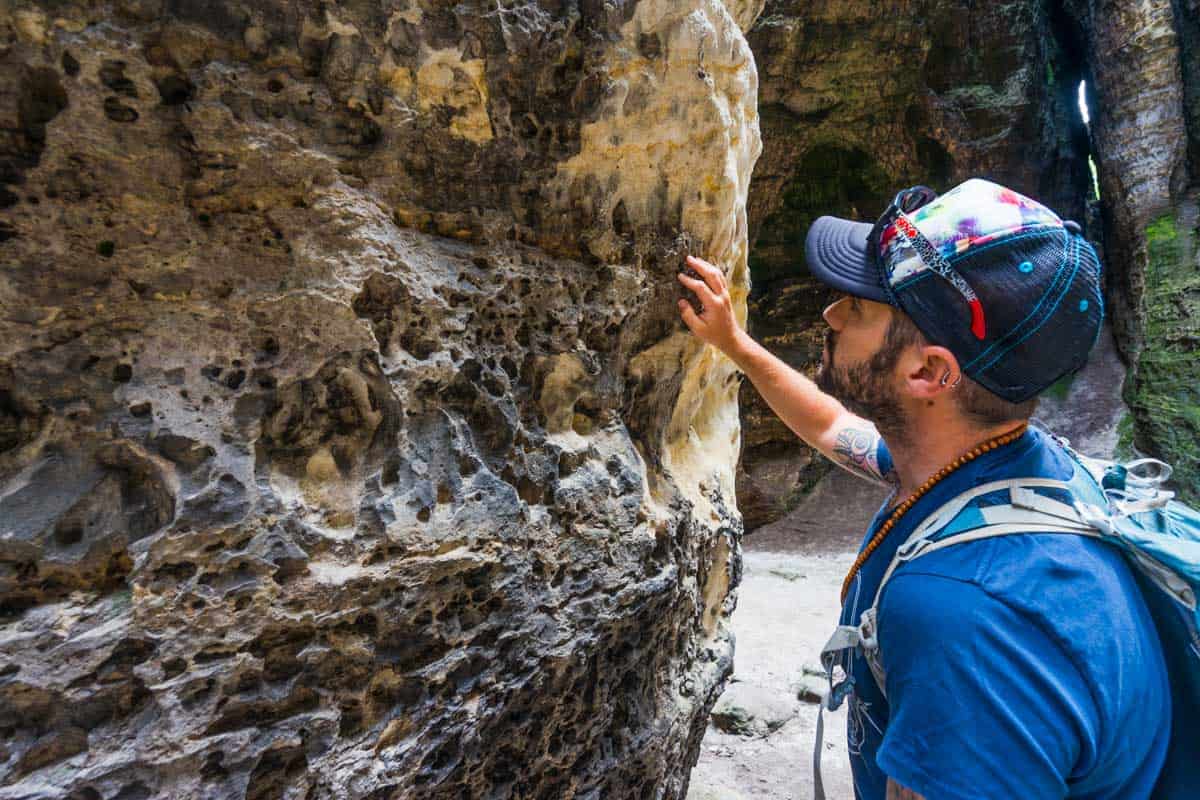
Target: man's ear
[{"x": 930, "y": 371}]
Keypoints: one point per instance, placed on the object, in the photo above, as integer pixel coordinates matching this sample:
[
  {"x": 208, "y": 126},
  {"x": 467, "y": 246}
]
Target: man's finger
[
  {"x": 706, "y": 295},
  {"x": 689, "y": 316},
  {"x": 712, "y": 275}
]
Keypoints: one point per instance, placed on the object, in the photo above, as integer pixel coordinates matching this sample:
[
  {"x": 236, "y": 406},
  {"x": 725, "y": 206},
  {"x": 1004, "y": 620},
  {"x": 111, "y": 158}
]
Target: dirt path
[
  {"x": 760, "y": 741},
  {"x": 786, "y": 605}
]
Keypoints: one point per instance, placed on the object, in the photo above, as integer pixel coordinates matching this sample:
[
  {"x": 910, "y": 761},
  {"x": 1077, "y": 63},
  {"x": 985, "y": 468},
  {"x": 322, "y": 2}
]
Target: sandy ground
[
  {"x": 787, "y": 607},
  {"x": 788, "y": 602}
]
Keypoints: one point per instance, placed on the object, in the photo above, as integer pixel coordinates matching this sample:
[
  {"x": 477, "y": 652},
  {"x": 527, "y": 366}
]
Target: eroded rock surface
[
  {"x": 1144, "y": 60},
  {"x": 350, "y": 445}
]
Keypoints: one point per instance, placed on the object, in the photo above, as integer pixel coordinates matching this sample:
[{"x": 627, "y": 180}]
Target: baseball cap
[{"x": 995, "y": 277}]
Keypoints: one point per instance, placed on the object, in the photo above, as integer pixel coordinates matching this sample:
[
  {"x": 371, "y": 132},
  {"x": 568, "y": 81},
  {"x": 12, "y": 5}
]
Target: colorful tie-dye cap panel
[
  {"x": 970, "y": 215},
  {"x": 1013, "y": 291}
]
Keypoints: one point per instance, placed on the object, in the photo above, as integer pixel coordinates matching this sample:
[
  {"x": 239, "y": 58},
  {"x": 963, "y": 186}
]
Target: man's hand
[
  {"x": 817, "y": 418},
  {"x": 715, "y": 324}
]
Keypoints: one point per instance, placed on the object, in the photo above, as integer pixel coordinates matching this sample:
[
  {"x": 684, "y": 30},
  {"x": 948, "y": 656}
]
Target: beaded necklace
[{"x": 898, "y": 512}]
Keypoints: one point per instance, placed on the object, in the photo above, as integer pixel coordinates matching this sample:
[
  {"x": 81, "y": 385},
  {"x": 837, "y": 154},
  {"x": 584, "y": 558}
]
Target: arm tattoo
[
  {"x": 857, "y": 449},
  {"x": 897, "y": 792}
]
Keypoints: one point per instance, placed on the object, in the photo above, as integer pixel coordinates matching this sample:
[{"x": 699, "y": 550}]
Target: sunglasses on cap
[{"x": 895, "y": 222}]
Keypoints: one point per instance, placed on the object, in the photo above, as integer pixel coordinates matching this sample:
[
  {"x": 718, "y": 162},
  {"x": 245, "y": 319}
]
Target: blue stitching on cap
[
  {"x": 1032, "y": 313},
  {"x": 907, "y": 282},
  {"x": 1025, "y": 266},
  {"x": 1046, "y": 318},
  {"x": 1049, "y": 314},
  {"x": 1100, "y": 324},
  {"x": 1099, "y": 297}
]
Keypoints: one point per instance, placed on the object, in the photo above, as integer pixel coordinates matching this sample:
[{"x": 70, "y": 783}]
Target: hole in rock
[{"x": 1086, "y": 115}]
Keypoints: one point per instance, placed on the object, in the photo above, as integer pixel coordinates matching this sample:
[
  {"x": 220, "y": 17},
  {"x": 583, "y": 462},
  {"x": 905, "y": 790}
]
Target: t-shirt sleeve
[
  {"x": 983, "y": 703},
  {"x": 883, "y": 457}
]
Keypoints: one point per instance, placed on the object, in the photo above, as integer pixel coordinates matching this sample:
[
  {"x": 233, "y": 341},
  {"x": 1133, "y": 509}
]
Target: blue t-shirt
[{"x": 1022, "y": 666}]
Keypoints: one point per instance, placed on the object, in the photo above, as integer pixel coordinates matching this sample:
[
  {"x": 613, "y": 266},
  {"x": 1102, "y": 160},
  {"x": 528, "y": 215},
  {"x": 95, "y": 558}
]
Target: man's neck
[{"x": 931, "y": 444}]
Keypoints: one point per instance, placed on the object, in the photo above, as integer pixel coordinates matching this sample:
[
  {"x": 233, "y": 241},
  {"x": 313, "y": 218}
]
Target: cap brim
[{"x": 836, "y": 251}]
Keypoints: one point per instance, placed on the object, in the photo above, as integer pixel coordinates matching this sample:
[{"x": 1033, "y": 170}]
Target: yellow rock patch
[
  {"x": 321, "y": 466},
  {"x": 445, "y": 79}
]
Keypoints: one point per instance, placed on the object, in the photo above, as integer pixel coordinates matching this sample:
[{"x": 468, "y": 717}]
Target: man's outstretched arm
[{"x": 816, "y": 417}]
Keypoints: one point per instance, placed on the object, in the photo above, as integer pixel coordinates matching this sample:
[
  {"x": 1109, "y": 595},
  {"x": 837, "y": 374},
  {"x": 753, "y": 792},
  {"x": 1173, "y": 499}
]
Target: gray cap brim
[{"x": 836, "y": 251}]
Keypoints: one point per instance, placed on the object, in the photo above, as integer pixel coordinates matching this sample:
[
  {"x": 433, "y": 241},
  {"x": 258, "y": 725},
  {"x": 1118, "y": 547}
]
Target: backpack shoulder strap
[
  {"x": 950, "y": 510},
  {"x": 956, "y": 523},
  {"x": 1027, "y": 511}
]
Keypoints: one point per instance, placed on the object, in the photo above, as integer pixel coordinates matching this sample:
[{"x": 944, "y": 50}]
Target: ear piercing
[{"x": 946, "y": 379}]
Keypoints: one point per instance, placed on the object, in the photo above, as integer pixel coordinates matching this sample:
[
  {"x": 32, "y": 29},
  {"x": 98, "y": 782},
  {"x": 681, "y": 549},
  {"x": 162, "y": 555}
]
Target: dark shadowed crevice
[
  {"x": 1187, "y": 28},
  {"x": 829, "y": 179},
  {"x": 1142, "y": 143},
  {"x": 39, "y": 97},
  {"x": 1066, "y": 69},
  {"x": 785, "y": 311}
]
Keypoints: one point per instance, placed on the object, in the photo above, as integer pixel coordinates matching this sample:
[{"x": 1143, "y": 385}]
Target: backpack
[{"x": 1122, "y": 504}]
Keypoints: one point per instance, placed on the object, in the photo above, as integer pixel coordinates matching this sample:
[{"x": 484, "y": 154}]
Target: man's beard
[{"x": 865, "y": 388}]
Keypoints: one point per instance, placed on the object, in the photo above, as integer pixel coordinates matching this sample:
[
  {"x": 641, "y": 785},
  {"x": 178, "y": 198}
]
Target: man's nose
[{"x": 833, "y": 313}]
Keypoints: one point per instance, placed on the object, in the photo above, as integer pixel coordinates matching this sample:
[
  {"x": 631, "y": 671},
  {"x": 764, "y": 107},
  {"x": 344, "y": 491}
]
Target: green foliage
[{"x": 1124, "y": 450}]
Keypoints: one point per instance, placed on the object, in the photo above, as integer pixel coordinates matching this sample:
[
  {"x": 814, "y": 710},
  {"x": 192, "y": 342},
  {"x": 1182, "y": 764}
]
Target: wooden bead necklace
[{"x": 898, "y": 511}]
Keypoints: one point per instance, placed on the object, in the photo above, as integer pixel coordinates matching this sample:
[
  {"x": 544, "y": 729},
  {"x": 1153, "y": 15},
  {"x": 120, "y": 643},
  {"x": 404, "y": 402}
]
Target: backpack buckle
[
  {"x": 866, "y": 631},
  {"x": 912, "y": 548}
]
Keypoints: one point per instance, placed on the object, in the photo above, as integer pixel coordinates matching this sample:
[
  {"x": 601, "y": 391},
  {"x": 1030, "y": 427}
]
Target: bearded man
[{"x": 1021, "y": 666}]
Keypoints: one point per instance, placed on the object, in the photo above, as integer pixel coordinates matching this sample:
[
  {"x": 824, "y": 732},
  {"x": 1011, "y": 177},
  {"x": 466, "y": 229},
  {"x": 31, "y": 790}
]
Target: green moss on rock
[
  {"x": 1124, "y": 448},
  {"x": 1061, "y": 387},
  {"x": 1164, "y": 388}
]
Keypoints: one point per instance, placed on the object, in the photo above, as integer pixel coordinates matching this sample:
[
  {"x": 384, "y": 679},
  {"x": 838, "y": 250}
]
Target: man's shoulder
[
  {"x": 1027, "y": 569},
  {"x": 1055, "y": 581},
  {"x": 1077, "y": 592}
]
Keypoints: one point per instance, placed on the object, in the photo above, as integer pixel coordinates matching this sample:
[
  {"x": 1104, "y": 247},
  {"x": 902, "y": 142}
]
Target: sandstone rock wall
[
  {"x": 1144, "y": 64},
  {"x": 350, "y": 445}
]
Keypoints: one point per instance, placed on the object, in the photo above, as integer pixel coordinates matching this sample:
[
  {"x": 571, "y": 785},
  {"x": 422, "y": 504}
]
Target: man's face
[{"x": 858, "y": 366}]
